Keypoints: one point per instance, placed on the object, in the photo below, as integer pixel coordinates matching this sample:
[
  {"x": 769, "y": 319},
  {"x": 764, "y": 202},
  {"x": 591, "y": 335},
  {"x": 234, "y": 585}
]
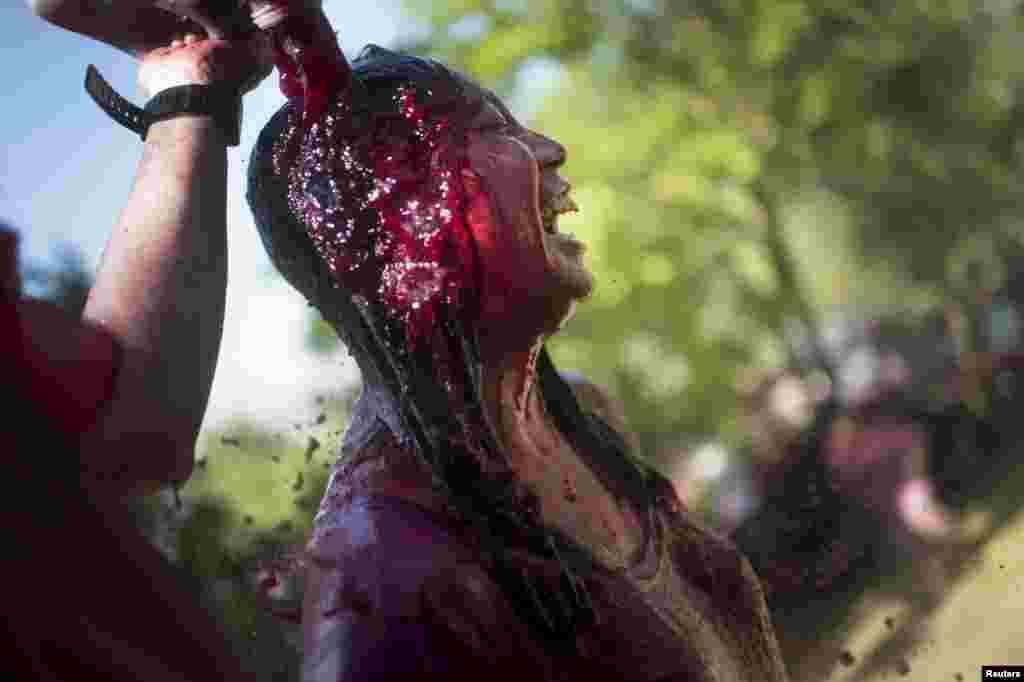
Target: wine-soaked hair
[{"x": 363, "y": 212}]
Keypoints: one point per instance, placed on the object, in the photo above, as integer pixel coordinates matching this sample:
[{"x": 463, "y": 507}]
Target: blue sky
[
  {"x": 67, "y": 167},
  {"x": 67, "y": 170}
]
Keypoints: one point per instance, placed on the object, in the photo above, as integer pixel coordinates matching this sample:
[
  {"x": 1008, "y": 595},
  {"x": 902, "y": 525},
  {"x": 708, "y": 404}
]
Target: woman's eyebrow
[
  {"x": 489, "y": 115},
  {"x": 490, "y": 108},
  {"x": 499, "y": 106}
]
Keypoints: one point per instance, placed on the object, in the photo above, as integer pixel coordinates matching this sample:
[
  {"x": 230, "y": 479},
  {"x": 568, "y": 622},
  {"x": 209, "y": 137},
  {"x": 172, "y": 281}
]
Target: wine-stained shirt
[{"x": 402, "y": 593}]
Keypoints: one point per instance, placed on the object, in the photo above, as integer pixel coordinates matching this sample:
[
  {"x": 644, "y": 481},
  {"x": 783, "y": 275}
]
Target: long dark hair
[{"x": 446, "y": 429}]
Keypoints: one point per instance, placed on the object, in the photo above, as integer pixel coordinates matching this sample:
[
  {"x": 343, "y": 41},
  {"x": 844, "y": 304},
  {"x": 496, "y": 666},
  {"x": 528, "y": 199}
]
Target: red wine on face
[
  {"x": 383, "y": 204},
  {"x": 381, "y": 197},
  {"x": 380, "y": 194}
]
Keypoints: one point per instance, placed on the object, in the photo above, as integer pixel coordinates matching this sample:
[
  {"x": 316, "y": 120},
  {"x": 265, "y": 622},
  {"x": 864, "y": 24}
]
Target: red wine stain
[
  {"x": 571, "y": 493},
  {"x": 382, "y": 204},
  {"x": 310, "y": 63},
  {"x": 350, "y": 599},
  {"x": 381, "y": 197}
]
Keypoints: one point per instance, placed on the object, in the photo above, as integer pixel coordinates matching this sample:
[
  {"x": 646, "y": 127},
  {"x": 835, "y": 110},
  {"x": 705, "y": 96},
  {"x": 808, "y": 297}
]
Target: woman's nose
[{"x": 548, "y": 152}]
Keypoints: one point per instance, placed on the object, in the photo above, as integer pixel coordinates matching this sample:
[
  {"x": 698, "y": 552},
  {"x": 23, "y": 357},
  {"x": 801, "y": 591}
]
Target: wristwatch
[{"x": 224, "y": 105}]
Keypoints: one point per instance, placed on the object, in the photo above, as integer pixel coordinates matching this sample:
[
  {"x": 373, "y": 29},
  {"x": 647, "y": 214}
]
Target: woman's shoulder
[
  {"x": 595, "y": 400},
  {"x": 686, "y": 528},
  {"x": 610, "y": 447}
]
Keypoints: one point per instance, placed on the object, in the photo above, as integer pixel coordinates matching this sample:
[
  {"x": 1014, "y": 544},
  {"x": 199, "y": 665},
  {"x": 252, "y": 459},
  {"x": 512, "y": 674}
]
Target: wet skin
[
  {"x": 526, "y": 278},
  {"x": 513, "y": 173},
  {"x": 533, "y": 277}
]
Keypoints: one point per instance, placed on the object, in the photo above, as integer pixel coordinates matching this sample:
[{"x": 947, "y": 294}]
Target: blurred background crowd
[{"x": 806, "y": 227}]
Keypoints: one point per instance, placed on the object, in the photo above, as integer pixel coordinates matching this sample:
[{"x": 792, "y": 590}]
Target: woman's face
[{"x": 514, "y": 197}]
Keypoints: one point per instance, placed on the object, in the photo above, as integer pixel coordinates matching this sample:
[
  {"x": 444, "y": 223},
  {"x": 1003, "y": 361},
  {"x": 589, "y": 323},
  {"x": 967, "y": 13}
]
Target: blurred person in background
[
  {"x": 108, "y": 406},
  {"x": 863, "y": 442},
  {"x": 880, "y": 444},
  {"x": 778, "y": 407}
]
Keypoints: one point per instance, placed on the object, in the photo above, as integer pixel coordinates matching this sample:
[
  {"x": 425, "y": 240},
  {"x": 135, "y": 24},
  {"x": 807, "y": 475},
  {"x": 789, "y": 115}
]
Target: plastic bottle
[
  {"x": 310, "y": 61},
  {"x": 138, "y": 26}
]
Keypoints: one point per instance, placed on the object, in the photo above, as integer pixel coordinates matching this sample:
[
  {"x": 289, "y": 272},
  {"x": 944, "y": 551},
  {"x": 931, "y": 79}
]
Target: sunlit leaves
[
  {"x": 878, "y": 139},
  {"x": 776, "y": 25},
  {"x": 664, "y": 373}
]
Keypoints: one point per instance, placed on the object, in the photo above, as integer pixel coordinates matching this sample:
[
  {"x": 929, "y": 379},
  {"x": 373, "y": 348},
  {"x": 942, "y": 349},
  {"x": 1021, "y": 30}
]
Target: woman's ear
[
  {"x": 479, "y": 212},
  {"x": 470, "y": 181}
]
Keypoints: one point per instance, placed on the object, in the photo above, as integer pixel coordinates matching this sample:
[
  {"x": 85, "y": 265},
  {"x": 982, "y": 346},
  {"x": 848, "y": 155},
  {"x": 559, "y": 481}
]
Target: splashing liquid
[
  {"x": 377, "y": 185},
  {"x": 379, "y": 191},
  {"x": 384, "y": 209},
  {"x": 310, "y": 63}
]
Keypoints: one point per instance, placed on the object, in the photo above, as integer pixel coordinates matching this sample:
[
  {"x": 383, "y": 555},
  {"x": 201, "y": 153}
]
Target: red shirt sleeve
[{"x": 65, "y": 367}]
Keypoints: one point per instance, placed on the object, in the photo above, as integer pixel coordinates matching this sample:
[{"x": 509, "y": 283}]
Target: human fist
[{"x": 238, "y": 64}]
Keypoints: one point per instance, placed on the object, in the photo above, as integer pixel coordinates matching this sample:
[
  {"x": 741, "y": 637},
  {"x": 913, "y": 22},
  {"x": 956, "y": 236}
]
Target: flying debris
[{"x": 311, "y": 447}]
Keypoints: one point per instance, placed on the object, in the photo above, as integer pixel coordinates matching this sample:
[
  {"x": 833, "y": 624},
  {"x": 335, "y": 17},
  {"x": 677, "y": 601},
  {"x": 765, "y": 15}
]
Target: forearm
[{"x": 160, "y": 293}]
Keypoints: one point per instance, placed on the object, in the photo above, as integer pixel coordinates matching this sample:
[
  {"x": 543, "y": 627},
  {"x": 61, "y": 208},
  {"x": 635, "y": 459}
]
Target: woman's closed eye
[
  {"x": 491, "y": 119},
  {"x": 492, "y": 125}
]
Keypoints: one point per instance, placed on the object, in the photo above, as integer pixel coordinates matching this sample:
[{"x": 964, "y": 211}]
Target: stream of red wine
[{"x": 380, "y": 194}]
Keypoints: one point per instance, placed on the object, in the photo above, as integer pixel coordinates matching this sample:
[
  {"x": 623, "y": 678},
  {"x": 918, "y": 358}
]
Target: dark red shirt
[
  {"x": 88, "y": 597},
  {"x": 396, "y": 593}
]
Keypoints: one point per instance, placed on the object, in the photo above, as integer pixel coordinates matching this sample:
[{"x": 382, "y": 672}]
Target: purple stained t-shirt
[{"x": 395, "y": 592}]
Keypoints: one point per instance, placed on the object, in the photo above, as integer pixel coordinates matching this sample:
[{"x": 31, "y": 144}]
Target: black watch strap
[{"x": 223, "y": 105}]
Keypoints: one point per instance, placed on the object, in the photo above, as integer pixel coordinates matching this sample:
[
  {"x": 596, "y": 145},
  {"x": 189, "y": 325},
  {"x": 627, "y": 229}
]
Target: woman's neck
[{"x": 512, "y": 400}]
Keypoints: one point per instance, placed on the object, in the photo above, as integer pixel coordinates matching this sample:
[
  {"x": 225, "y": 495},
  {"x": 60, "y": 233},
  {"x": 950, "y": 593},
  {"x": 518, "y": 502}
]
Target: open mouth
[{"x": 554, "y": 207}]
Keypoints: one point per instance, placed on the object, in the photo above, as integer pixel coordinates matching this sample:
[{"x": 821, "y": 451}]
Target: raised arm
[{"x": 161, "y": 284}]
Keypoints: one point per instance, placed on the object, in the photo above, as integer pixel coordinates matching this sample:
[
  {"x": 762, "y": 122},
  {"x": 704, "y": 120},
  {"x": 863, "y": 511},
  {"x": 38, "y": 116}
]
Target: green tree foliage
[
  {"x": 249, "y": 504},
  {"x": 744, "y": 165}
]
